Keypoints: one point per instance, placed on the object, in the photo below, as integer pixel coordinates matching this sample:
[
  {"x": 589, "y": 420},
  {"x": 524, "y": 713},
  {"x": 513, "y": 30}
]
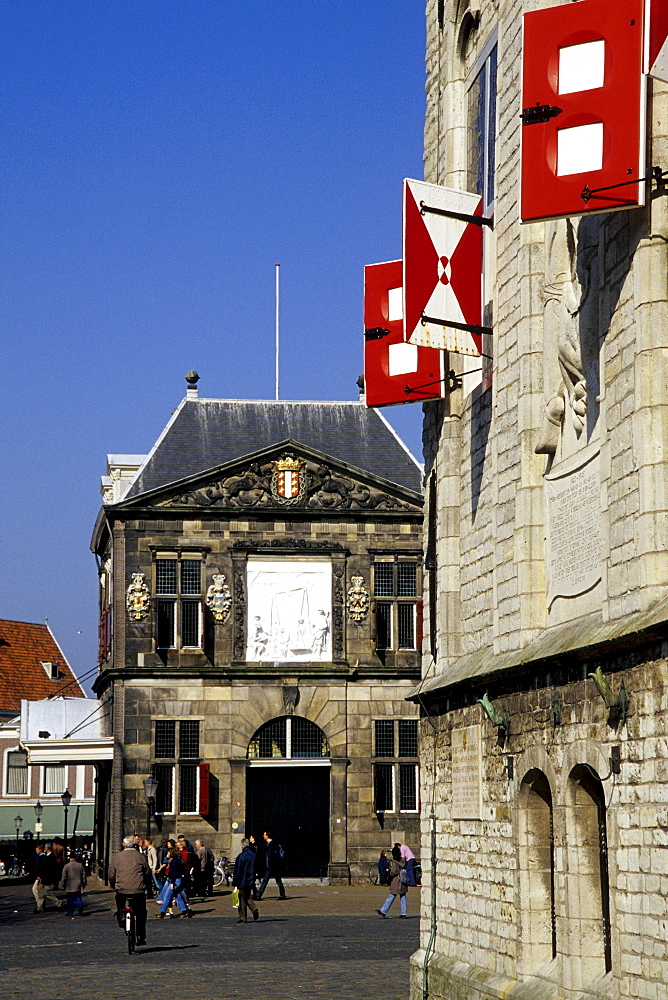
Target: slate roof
[
  {"x": 205, "y": 433},
  {"x": 24, "y": 646}
]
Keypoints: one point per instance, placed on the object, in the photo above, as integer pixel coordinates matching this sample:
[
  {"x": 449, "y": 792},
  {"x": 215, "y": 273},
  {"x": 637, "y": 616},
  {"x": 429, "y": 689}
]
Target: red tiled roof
[{"x": 23, "y": 649}]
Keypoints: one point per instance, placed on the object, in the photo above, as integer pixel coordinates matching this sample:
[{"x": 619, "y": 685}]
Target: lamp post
[
  {"x": 66, "y": 798},
  {"x": 150, "y": 791},
  {"x": 18, "y": 820},
  {"x": 38, "y": 816}
]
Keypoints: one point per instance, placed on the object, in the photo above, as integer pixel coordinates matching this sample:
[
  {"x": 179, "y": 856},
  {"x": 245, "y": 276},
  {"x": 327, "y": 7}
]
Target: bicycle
[
  {"x": 374, "y": 874},
  {"x": 222, "y": 872},
  {"x": 130, "y": 925},
  {"x": 14, "y": 869}
]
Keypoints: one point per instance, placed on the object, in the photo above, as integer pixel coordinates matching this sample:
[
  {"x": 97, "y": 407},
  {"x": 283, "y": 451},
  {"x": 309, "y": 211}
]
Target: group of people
[
  {"x": 398, "y": 872},
  {"x": 52, "y": 870},
  {"x": 247, "y": 868}
]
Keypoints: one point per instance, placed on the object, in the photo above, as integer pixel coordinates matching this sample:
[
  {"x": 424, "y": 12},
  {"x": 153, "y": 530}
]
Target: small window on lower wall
[
  {"x": 396, "y": 781},
  {"x": 177, "y": 755}
]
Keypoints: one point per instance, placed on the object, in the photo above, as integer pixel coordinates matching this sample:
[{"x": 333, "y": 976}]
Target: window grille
[
  {"x": 166, "y": 623},
  {"x": 54, "y": 779},
  {"x": 189, "y": 738},
  {"x": 384, "y": 737},
  {"x": 384, "y": 787},
  {"x": 406, "y": 579},
  {"x": 408, "y": 787},
  {"x": 190, "y": 619},
  {"x": 165, "y": 576},
  {"x": 383, "y": 625},
  {"x": 408, "y": 737},
  {"x": 17, "y": 772},
  {"x": 307, "y": 739},
  {"x": 164, "y": 798},
  {"x": 165, "y": 738},
  {"x": 191, "y": 571},
  {"x": 288, "y": 737},
  {"x": 383, "y": 574},
  {"x": 188, "y": 775},
  {"x": 406, "y": 626}
]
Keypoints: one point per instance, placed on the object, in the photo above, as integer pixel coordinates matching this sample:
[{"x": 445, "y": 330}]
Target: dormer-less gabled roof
[
  {"x": 206, "y": 433},
  {"x": 32, "y": 666}
]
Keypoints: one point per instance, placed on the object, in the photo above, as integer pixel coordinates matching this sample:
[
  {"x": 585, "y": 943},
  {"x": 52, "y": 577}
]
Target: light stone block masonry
[{"x": 546, "y": 877}]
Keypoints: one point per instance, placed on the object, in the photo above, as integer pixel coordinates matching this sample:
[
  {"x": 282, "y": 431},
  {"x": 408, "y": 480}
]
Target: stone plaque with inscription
[
  {"x": 467, "y": 773},
  {"x": 573, "y": 499}
]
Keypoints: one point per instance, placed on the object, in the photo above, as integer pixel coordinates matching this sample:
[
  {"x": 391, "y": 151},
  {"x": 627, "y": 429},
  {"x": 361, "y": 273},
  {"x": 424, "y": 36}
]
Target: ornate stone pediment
[{"x": 291, "y": 478}]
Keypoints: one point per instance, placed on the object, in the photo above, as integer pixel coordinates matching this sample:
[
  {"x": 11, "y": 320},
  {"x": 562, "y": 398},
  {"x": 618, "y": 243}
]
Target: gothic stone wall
[{"x": 489, "y": 873}]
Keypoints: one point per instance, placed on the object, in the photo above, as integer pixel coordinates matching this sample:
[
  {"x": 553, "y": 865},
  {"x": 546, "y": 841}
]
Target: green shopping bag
[{"x": 235, "y": 898}]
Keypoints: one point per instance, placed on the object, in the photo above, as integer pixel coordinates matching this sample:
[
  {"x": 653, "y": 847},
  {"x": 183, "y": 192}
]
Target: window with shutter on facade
[
  {"x": 178, "y": 589},
  {"x": 177, "y": 774},
  {"x": 395, "y": 779},
  {"x": 396, "y": 592}
]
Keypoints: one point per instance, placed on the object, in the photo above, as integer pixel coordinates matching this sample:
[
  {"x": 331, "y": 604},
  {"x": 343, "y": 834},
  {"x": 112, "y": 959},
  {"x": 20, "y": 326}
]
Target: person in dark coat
[
  {"x": 73, "y": 881},
  {"x": 273, "y": 865},
  {"x": 45, "y": 871},
  {"x": 257, "y": 877},
  {"x": 244, "y": 880},
  {"x": 398, "y": 885},
  {"x": 383, "y": 869}
]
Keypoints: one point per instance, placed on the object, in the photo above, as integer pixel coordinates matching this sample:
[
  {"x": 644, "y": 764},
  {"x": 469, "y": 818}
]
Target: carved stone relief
[
  {"x": 138, "y": 598},
  {"x": 570, "y": 337},
  {"x": 219, "y": 598},
  {"x": 358, "y": 600},
  {"x": 338, "y": 602},
  {"x": 239, "y": 611},
  {"x": 290, "y": 480}
]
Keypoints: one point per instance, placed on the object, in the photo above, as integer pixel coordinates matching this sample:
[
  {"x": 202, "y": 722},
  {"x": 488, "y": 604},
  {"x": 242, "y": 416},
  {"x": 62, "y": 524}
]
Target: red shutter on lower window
[
  {"x": 204, "y": 777},
  {"x": 583, "y": 109}
]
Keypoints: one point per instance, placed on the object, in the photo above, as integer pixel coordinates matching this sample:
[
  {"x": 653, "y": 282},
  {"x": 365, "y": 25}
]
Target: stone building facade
[
  {"x": 544, "y": 691},
  {"x": 260, "y": 583}
]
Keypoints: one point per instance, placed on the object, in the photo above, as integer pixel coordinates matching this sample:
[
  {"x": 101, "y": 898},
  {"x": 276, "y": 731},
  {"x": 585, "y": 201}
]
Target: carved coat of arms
[
  {"x": 219, "y": 598},
  {"x": 358, "y": 600},
  {"x": 138, "y": 598},
  {"x": 288, "y": 479}
]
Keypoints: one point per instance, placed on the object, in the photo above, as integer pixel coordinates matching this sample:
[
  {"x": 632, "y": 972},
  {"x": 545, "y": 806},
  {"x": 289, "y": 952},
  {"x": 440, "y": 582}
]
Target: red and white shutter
[
  {"x": 394, "y": 371},
  {"x": 583, "y": 101},
  {"x": 204, "y": 784},
  {"x": 443, "y": 268}
]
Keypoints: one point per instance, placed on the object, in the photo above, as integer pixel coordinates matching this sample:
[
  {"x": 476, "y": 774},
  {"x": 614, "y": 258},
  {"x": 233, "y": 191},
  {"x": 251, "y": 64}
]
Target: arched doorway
[{"x": 287, "y": 792}]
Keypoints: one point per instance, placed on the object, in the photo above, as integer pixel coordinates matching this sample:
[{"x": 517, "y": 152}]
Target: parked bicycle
[
  {"x": 15, "y": 868},
  {"x": 222, "y": 872},
  {"x": 374, "y": 874}
]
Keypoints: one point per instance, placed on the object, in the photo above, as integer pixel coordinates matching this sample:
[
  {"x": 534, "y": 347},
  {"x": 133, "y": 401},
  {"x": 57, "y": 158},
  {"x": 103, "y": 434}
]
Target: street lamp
[
  {"x": 18, "y": 820},
  {"x": 66, "y": 799},
  {"x": 150, "y": 791},
  {"x": 38, "y": 807}
]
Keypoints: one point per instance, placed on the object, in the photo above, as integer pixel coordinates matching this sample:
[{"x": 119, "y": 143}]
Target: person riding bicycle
[{"x": 129, "y": 875}]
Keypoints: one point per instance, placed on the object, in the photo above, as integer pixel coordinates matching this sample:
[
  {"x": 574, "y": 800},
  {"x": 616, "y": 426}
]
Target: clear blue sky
[{"x": 159, "y": 157}]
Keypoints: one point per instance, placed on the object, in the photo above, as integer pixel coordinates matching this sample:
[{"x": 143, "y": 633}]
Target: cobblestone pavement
[{"x": 323, "y": 943}]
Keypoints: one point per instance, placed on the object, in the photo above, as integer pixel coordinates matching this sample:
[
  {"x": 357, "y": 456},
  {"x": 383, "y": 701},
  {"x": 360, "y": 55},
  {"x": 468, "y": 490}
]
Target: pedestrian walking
[
  {"x": 46, "y": 876},
  {"x": 73, "y": 881},
  {"x": 398, "y": 885},
  {"x": 243, "y": 881},
  {"x": 152, "y": 859},
  {"x": 257, "y": 877},
  {"x": 175, "y": 877},
  {"x": 273, "y": 865},
  {"x": 409, "y": 858},
  {"x": 129, "y": 876}
]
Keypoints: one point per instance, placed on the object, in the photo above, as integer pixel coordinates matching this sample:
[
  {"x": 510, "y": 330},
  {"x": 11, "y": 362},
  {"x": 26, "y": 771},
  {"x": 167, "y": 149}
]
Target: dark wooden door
[{"x": 293, "y": 802}]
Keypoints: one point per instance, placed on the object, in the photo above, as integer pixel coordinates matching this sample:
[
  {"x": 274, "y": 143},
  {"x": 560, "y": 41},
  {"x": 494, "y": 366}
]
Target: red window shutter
[
  {"x": 204, "y": 789},
  {"x": 597, "y": 113},
  {"x": 390, "y": 364}
]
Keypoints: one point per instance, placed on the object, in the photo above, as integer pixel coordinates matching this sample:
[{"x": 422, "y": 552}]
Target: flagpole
[{"x": 278, "y": 266}]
